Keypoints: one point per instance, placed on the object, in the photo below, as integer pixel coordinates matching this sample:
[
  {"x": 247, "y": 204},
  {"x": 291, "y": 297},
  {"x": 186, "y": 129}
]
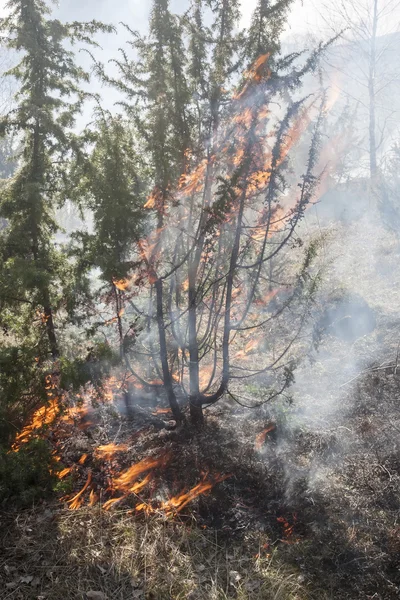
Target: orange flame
[
  {"x": 128, "y": 477},
  {"x": 190, "y": 183},
  {"x": 93, "y": 498},
  {"x": 251, "y": 345},
  {"x": 83, "y": 459},
  {"x": 261, "y": 437},
  {"x": 77, "y": 501},
  {"x": 113, "y": 501},
  {"x": 122, "y": 284},
  {"x": 45, "y": 415},
  {"x": 161, "y": 411},
  {"x": 256, "y": 73},
  {"x": 151, "y": 201},
  {"x": 177, "y": 503},
  {"x": 109, "y": 450},
  {"x": 288, "y": 529},
  {"x": 134, "y": 489},
  {"x": 64, "y": 472}
]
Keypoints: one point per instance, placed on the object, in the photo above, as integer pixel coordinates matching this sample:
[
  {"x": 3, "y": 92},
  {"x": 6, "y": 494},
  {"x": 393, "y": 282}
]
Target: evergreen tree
[
  {"x": 159, "y": 101},
  {"x": 203, "y": 132},
  {"x": 266, "y": 26},
  {"x": 49, "y": 96},
  {"x": 33, "y": 270},
  {"x": 109, "y": 185},
  {"x": 198, "y": 35},
  {"x": 225, "y": 54}
]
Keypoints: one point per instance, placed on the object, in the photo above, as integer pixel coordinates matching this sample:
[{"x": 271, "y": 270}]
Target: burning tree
[
  {"x": 110, "y": 171},
  {"x": 224, "y": 204}
]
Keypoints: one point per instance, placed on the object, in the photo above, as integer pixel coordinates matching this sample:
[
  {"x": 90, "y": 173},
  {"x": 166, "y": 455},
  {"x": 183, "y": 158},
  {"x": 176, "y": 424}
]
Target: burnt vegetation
[{"x": 199, "y": 360}]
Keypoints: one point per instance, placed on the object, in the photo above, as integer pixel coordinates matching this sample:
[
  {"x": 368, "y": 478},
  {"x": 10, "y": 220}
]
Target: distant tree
[{"x": 370, "y": 29}]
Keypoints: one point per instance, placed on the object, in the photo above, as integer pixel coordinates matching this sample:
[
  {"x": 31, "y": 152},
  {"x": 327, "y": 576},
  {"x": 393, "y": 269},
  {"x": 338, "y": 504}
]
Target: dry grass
[{"x": 57, "y": 554}]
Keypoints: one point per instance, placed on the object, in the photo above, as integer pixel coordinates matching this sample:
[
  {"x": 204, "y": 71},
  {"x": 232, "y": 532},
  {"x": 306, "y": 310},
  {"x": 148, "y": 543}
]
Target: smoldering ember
[{"x": 199, "y": 300}]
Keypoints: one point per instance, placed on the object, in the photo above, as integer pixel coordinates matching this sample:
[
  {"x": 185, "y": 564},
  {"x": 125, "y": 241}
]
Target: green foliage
[
  {"x": 22, "y": 382},
  {"x": 64, "y": 486},
  {"x": 224, "y": 28},
  {"x": 93, "y": 368},
  {"x": 40, "y": 289},
  {"x": 158, "y": 96},
  {"x": 32, "y": 268},
  {"x": 268, "y": 21},
  {"x": 109, "y": 184},
  {"x": 179, "y": 101},
  {"x": 27, "y": 476}
]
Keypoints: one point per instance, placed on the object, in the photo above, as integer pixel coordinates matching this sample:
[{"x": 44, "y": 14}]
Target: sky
[
  {"x": 306, "y": 17},
  {"x": 135, "y": 13},
  {"x": 302, "y": 18}
]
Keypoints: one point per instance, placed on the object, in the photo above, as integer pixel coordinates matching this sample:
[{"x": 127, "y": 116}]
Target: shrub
[{"x": 28, "y": 475}]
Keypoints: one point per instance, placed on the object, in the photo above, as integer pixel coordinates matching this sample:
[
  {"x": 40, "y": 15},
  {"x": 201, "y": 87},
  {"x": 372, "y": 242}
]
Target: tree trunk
[
  {"x": 373, "y": 163},
  {"x": 193, "y": 346},
  {"x": 50, "y": 329},
  {"x": 37, "y": 177},
  {"x": 196, "y": 413},
  {"x": 167, "y": 379}
]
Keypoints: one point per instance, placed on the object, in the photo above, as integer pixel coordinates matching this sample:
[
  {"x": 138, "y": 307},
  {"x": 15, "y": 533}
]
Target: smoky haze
[{"x": 318, "y": 443}]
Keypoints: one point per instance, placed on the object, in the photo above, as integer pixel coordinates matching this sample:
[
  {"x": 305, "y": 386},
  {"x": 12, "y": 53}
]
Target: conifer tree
[
  {"x": 159, "y": 102},
  {"x": 226, "y": 44},
  {"x": 47, "y": 101},
  {"x": 267, "y": 23},
  {"x": 33, "y": 270},
  {"x": 109, "y": 184}
]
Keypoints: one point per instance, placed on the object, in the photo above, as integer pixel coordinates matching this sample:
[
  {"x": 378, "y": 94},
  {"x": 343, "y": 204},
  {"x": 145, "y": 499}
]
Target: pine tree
[
  {"x": 268, "y": 21},
  {"x": 109, "y": 184},
  {"x": 47, "y": 101},
  {"x": 33, "y": 269}
]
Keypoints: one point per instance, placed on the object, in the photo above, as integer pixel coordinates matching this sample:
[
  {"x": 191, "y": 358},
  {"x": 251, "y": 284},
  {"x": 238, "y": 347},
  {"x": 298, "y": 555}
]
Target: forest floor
[
  {"x": 295, "y": 500},
  {"x": 301, "y": 514}
]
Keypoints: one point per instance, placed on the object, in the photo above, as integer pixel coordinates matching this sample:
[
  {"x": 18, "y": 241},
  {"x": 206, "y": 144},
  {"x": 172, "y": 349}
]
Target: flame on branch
[{"x": 218, "y": 230}]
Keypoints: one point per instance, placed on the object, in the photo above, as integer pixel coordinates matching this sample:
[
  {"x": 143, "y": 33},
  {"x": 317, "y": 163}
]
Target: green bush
[
  {"x": 28, "y": 475},
  {"x": 22, "y": 388}
]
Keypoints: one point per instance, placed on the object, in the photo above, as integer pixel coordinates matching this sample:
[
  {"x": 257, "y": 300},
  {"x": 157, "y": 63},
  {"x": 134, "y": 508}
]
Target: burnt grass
[{"x": 324, "y": 504}]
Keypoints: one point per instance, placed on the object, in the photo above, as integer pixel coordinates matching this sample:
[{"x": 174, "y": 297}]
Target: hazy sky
[{"x": 135, "y": 12}]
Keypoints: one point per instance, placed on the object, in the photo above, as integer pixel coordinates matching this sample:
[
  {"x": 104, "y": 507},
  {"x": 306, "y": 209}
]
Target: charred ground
[{"x": 295, "y": 518}]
